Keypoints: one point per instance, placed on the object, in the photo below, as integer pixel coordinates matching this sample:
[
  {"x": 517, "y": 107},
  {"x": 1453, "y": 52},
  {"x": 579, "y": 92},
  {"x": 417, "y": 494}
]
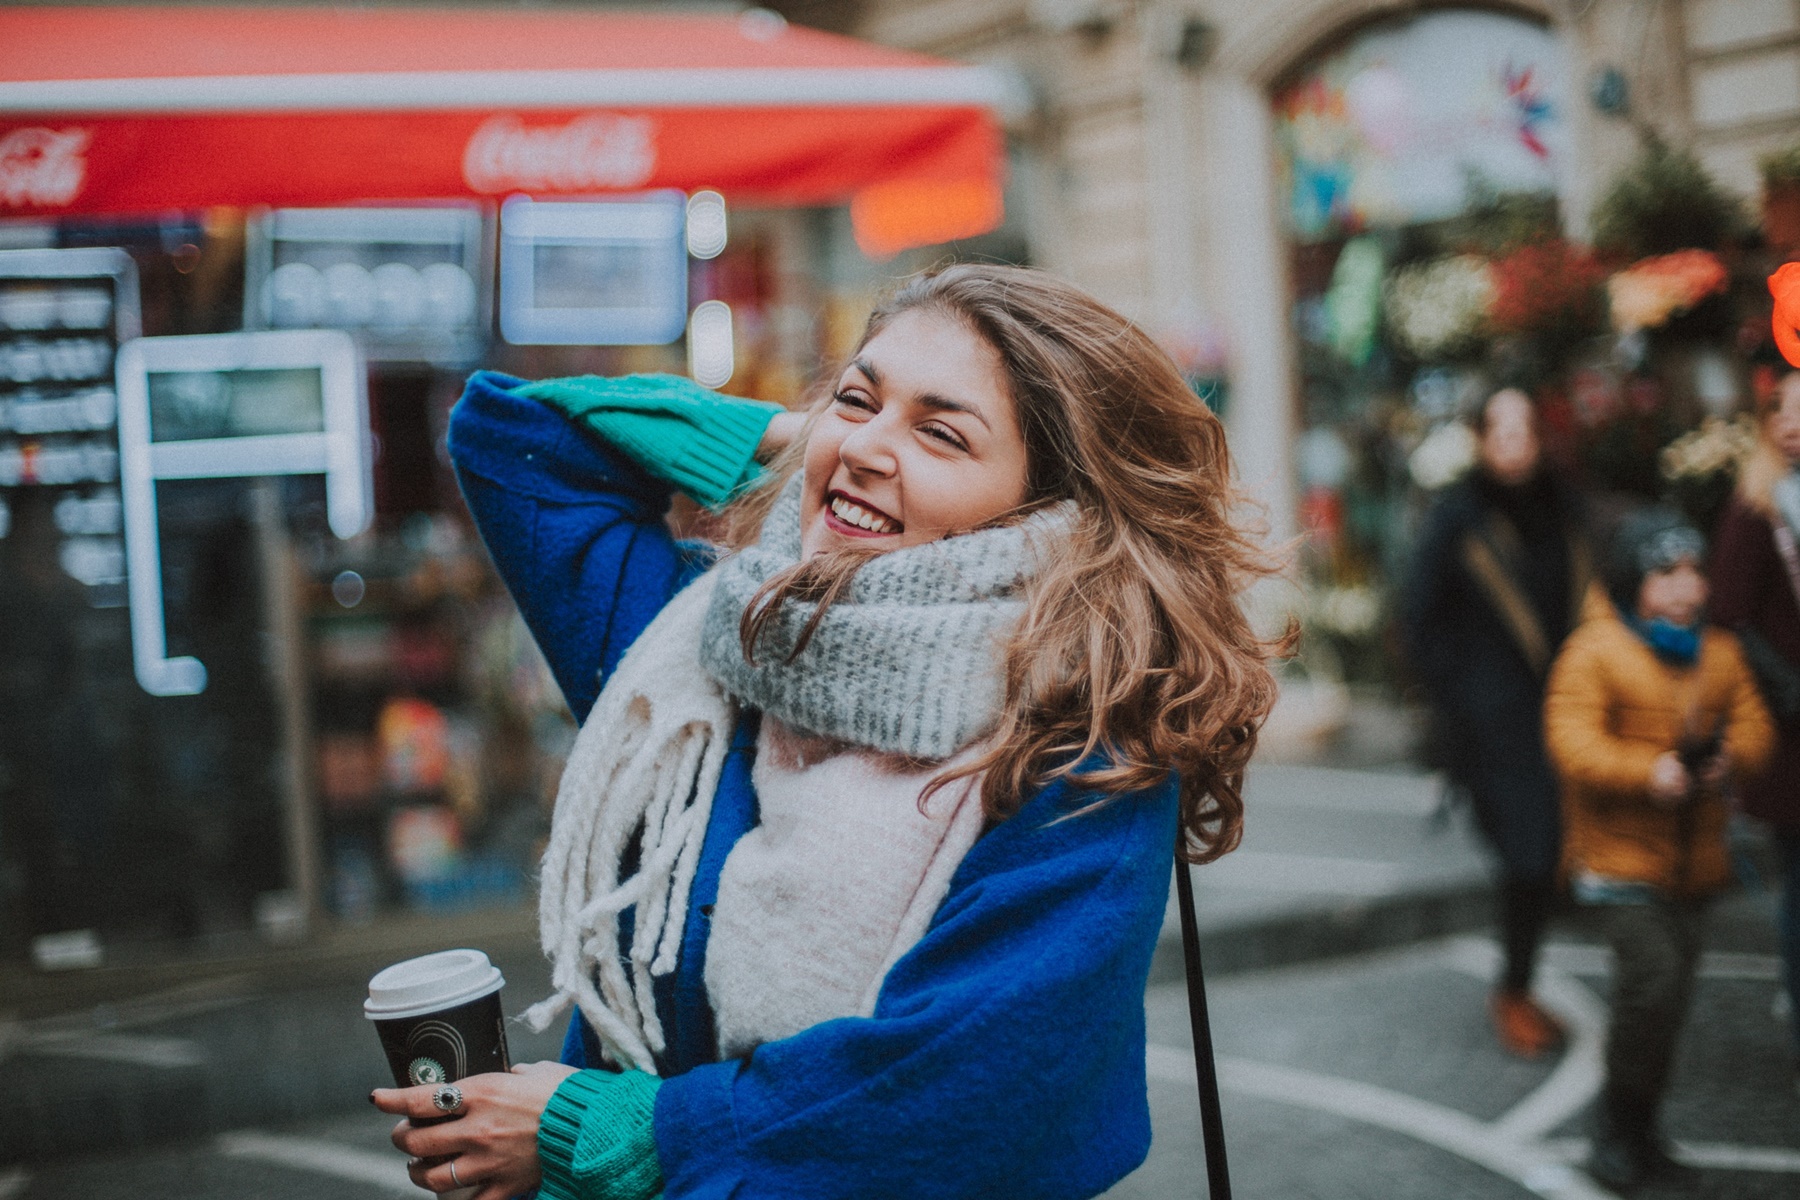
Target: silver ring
[
  {"x": 447, "y": 1098},
  {"x": 453, "y": 1179}
]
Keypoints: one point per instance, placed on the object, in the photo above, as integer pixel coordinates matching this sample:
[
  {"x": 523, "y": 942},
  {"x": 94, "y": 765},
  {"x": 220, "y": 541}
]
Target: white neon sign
[{"x": 231, "y": 405}]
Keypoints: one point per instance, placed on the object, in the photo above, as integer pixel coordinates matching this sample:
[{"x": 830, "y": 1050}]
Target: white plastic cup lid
[{"x": 431, "y": 983}]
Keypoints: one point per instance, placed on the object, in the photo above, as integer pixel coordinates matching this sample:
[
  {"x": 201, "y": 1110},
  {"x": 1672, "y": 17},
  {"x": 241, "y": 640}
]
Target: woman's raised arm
[{"x": 569, "y": 482}]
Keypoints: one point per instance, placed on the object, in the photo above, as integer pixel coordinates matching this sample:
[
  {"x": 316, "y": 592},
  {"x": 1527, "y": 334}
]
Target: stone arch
[
  {"x": 1278, "y": 38},
  {"x": 1258, "y": 46}
]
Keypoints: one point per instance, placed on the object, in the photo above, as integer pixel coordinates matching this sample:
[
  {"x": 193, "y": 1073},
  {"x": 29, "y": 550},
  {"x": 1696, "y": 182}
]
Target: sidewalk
[{"x": 1335, "y": 861}]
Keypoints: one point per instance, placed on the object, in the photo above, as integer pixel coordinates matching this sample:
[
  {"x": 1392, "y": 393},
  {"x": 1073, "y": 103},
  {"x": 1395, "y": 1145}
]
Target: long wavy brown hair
[{"x": 1134, "y": 658}]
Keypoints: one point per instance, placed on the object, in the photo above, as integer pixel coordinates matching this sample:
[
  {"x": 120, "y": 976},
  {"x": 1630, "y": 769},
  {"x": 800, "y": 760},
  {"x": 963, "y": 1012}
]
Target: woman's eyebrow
[
  {"x": 931, "y": 400},
  {"x": 939, "y": 403}
]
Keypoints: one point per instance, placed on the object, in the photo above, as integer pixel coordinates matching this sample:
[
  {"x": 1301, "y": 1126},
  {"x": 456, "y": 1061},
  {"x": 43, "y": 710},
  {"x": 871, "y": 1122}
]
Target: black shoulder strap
[{"x": 1212, "y": 1121}]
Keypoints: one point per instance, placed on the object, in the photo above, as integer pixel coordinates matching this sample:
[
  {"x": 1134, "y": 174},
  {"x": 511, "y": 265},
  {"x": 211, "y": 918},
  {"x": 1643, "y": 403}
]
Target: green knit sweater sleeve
[
  {"x": 596, "y": 1138},
  {"x": 697, "y": 440}
]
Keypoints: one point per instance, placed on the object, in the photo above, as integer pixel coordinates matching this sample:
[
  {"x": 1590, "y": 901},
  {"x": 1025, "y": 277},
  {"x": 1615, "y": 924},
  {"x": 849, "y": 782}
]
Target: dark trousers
[
  {"x": 1525, "y": 906},
  {"x": 1656, "y": 954},
  {"x": 1787, "y": 841}
]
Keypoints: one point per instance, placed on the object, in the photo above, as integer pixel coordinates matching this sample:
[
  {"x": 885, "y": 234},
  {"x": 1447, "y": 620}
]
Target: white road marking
[
  {"x": 1265, "y": 870},
  {"x": 1513, "y": 1146},
  {"x": 138, "y": 1049},
  {"x": 321, "y": 1157},
  {"x": 95, "y": 1033},
  {"x": 1721, "y": 1156},
  {"x": 12, "y": 1183},
  {"x": 1579, "y": 959},
  {"x": 1577, "y": 1078},
  {"x": 1433, "y": 1124}
]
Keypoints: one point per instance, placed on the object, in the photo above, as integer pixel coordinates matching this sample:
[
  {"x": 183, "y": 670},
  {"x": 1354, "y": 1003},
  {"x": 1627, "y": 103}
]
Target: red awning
[{"x": 113, "y": 110}]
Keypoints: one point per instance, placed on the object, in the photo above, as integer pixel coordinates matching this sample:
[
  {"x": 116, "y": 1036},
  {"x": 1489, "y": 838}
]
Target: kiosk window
[
  {"x": 188, "y": 406},
  {"x": 600, "y": 275}
]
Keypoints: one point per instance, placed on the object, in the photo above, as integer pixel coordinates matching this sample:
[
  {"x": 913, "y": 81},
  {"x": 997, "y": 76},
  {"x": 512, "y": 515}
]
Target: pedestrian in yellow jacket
[{"x": 1649, "y": 718}]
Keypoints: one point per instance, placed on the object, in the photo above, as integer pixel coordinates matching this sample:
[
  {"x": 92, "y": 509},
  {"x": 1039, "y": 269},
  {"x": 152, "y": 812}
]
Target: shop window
[{"x": 1410, "y": 155}]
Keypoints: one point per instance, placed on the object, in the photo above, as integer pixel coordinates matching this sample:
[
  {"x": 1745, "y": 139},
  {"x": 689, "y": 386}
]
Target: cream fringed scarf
[{"x": 845, "y": 870}]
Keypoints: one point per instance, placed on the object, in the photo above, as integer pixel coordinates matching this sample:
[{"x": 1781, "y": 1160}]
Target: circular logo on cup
[{"x": 426, "y": 1070}]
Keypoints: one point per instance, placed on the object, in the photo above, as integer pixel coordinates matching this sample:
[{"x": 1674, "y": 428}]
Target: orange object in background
[
  {"x": 1784, "y": 285},
  {"x": 415, "y": 744},
  {"x": 890, "y": 217},
  {"x": 145, "y": 109}
]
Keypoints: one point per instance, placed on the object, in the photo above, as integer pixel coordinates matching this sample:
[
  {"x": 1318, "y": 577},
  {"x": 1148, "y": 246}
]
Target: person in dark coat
[
  {"x": 1498, "y": 579},
  {"x": 1756, "y": 593}
]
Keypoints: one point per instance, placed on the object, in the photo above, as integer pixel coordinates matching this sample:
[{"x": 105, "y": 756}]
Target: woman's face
[
  {"x": 1784, "y": 422},
  {"x": 1509, "y": 442},
  {"x": 919, "y": 442}
]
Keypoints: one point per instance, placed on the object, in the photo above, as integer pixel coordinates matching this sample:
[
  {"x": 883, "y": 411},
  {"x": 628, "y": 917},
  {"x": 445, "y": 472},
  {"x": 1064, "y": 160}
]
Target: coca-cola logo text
[
  {"x": 41, "y": 166},
  {"x": 601, "y": 150}
]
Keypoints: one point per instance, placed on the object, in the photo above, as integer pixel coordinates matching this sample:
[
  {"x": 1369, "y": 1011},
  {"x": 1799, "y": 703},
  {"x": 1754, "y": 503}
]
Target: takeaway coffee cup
[{"x": 438, "y": 1017}]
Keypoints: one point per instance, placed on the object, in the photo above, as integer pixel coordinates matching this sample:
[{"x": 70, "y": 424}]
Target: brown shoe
[{"x": 1525, "y": 1028}]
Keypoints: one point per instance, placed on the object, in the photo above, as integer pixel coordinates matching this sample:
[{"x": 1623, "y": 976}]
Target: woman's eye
[
  {"x": 853, "y": 400},
  {"x": 946, "y": 435}
]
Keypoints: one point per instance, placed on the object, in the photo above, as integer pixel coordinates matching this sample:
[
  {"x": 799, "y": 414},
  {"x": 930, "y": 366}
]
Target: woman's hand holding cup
[{"x": 491, "y": 1145}]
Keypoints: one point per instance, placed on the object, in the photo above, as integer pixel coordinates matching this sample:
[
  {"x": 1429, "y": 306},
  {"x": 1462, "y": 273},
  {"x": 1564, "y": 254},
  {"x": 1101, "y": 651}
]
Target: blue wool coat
[{"x": 1005, "y": 1056}]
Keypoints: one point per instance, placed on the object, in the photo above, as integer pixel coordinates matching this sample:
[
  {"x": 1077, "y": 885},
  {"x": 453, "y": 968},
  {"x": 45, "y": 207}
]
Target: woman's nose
[{"x": 869, "y": 448}]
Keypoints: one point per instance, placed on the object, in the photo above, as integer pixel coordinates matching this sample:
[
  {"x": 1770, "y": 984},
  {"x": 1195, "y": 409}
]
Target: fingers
[
  {"x": 414, "y": 1102},
  {"x": 464, "y": 1171},
  {"x": 434, "y": 1174},
  {"x": 430, "y": 1141}
]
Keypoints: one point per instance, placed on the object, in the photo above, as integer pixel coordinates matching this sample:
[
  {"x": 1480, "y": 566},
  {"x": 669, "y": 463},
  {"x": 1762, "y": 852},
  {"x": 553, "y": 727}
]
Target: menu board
[
  {"x": 594, "y": 272},
  {"x": 409, "y": 283},
  {"x": 232, "y": 406},
  {"x": 63, "y": 315}
]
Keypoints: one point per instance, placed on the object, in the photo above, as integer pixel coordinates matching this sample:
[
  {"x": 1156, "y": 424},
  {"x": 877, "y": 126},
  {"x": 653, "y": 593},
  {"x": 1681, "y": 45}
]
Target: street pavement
[
  {"x": 1366, "y": 1074},
  {"x": 1376, "y": 1076},
  {"x": 1335, "y": 861}
]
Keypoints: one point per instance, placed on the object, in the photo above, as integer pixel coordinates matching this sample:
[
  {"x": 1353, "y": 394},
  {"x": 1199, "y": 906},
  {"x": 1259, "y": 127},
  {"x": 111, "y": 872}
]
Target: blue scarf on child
[{"x": 1678, "y": 645}]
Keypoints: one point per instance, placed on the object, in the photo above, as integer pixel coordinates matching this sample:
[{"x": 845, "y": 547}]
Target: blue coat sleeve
[
  {"x": 1005, "y": 1056},
  {"x": 574, "y": 527}
]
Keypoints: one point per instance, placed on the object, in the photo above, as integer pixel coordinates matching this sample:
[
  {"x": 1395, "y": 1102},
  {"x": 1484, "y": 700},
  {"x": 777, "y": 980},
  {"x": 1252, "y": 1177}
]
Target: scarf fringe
[{"x": 645, "y": 765}]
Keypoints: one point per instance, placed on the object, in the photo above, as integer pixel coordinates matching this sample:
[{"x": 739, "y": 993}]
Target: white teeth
[{"x": 855, "y": 514}]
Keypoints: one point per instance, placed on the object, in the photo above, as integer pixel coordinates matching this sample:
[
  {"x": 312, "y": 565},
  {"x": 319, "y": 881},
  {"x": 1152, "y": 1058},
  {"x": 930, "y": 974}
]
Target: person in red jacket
[{"x": 1756, "y": 592}]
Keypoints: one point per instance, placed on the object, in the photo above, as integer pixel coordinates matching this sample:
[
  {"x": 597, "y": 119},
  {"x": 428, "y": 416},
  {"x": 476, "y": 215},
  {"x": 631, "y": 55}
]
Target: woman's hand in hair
[{"x": 780, "y": 434}]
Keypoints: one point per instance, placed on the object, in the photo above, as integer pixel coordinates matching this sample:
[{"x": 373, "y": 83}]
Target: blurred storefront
[
  {"x": 1352, "y": 216},
  {"x": 534, "y": 192}
]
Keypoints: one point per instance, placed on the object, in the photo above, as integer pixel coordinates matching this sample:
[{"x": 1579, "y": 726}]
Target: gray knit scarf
[{"x": 906, "y": 661}]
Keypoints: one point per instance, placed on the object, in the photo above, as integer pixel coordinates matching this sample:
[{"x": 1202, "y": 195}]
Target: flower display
[
  {"x": 1648, "y": 293},
  {"x": 1439, "y": 309},
  {"x": 1718, "y": 447},
  {"x": 1548, "y": 286}
]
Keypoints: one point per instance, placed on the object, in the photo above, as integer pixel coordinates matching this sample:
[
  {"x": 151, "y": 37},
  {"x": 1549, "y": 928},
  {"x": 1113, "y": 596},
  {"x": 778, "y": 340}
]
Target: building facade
[{"x": 1155, "y": 165}]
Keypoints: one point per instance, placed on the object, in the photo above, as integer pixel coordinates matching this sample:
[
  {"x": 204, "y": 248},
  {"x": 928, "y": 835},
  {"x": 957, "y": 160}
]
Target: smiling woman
[
  {"x": 919, "y": 441},
  {"x": 891, "y": 792}
]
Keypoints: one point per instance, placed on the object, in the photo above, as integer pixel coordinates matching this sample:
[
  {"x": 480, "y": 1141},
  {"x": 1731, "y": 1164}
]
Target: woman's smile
[{"x": 854, "y": 517}]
